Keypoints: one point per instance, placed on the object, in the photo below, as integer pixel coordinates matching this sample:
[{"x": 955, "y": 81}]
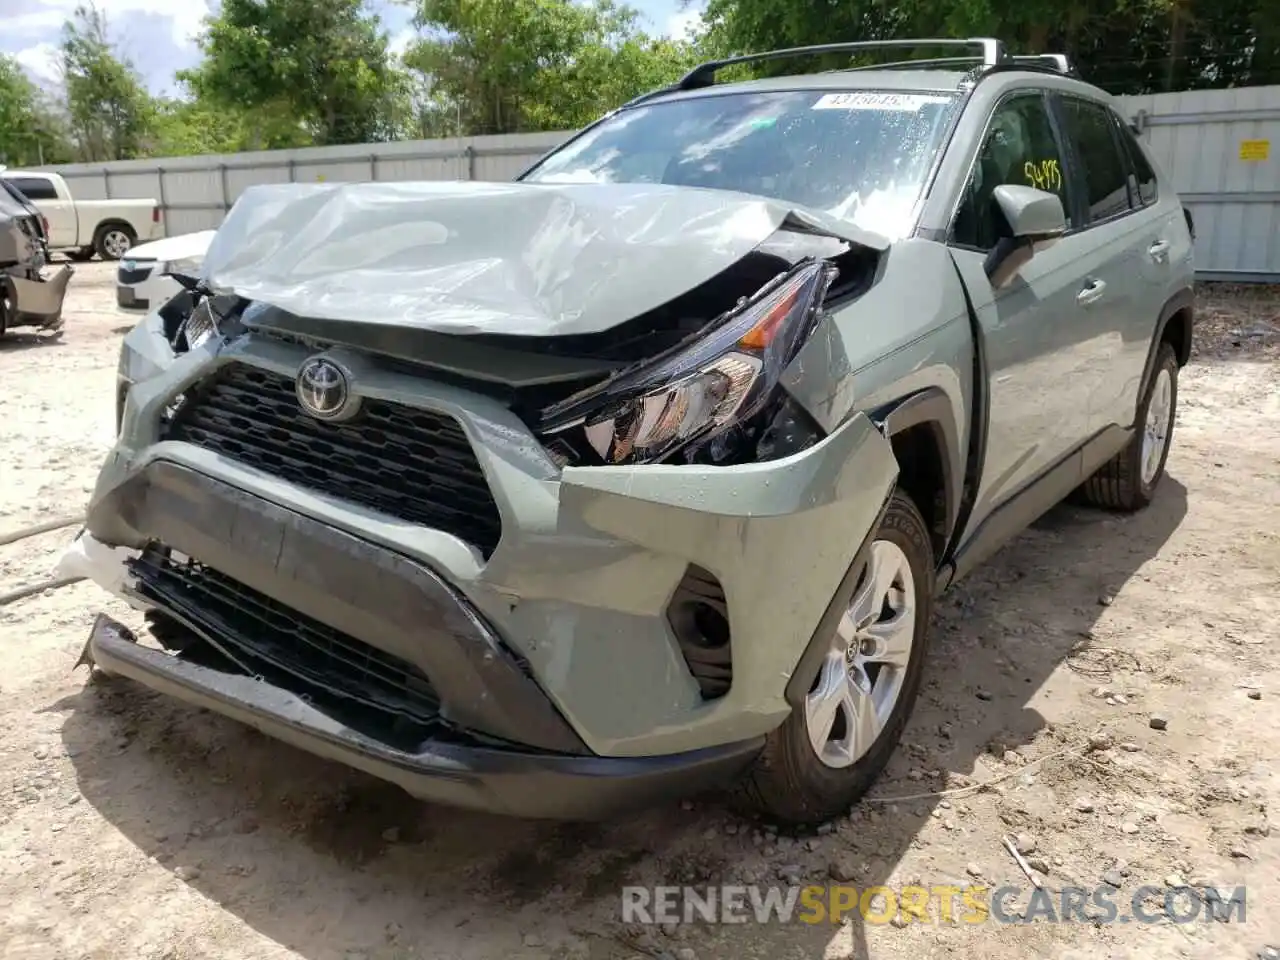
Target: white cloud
[
  {"x": 683, "y": 23},
  {"x": 400, "y": 41},
  {"x": 43, "y": 62},
  {"x": 47, "y": 16}
]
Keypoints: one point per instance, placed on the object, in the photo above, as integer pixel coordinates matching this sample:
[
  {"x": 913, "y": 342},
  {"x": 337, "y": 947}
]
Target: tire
[
  {"x": 113, "y": 240},
  {"x": 789, "y": 781},
  {"x": 1121, "y": 483},
  {"x": 7, "y": 305}
]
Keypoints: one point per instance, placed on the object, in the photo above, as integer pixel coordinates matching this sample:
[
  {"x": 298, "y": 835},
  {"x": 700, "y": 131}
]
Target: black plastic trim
[
  {"x": 354, "y": 586},
  {"x": 932, "y": 407},
  {"x": 811, "y": 660},
  {"x": 979, "y": 429},
  {"x": 517, "y": 783},
  {"x": 1184, "y": 299},
  {"x": 1038, "y": 497}
]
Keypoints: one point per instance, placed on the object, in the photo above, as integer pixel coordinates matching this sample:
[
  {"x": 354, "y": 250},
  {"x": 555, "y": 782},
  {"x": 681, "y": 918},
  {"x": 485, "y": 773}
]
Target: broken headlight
[{"x": 700, "y": 392}]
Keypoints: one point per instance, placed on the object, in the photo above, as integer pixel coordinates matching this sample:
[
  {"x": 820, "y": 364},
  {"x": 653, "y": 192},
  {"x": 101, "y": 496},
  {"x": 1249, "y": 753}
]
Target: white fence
[{"x": 1221, "y": 148}]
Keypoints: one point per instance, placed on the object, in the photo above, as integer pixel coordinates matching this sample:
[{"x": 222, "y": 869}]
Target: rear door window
[{"x": 1103, "y": 168}]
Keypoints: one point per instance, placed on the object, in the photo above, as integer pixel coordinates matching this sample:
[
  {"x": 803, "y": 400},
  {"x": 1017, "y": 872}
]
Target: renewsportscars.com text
[{"x": 941, "y": 903}]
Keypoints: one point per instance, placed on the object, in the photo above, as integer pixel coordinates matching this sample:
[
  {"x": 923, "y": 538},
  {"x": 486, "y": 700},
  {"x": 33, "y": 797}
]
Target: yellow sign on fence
[{"x": 1255, "y": 150}]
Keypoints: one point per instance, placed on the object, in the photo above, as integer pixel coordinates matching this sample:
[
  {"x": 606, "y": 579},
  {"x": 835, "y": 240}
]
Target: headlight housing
[
  {"x": 698, "y": 391},
  {"x": 187, "y": 267}
]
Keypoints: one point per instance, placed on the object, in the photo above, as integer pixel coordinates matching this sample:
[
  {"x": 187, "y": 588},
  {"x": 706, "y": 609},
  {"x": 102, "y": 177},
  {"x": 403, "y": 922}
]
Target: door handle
[
  {"x": 1159, "y": 251},
  {"x": 1092, "y": 293}
]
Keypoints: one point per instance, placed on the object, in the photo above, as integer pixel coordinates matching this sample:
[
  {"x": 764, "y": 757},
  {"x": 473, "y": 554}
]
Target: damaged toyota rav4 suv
[{"x": 639, "y": 475}]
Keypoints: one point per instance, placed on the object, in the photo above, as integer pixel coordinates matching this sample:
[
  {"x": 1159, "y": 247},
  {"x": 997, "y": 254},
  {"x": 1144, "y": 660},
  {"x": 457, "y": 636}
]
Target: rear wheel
[
  {"x": 1128, "y": 481},
  {"x": 113, "y": 240},
  {"x": 8, "y": 305},
  {"x": 836, "y": 743}
]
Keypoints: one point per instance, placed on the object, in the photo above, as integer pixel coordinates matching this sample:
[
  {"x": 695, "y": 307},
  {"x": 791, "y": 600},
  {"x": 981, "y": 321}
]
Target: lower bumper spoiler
[
  {"x": 524, "y": 784},
  {"x": 39, "y": 302}
]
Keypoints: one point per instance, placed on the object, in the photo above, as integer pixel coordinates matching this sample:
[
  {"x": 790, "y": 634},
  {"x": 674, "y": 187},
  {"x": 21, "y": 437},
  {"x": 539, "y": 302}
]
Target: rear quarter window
[
  {"x": 1138, "y": 162},
  {"x": 35, "y": 188}
]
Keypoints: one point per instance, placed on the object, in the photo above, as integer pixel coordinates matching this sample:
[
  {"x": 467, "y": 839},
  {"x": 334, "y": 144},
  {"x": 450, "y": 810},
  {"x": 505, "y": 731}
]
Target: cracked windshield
[{"x": 861, "y": 156}]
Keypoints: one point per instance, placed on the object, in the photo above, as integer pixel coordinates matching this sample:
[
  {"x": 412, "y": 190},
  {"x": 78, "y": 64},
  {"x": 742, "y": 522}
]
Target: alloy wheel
[
  {"x": 1156, "y": 430},
  {"x": 861, "y": 678},
  {"x": 116, "y": 243}
]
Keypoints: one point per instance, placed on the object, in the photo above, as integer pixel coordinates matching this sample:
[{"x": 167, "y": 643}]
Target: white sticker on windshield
[{"x": 910, "y": 102}]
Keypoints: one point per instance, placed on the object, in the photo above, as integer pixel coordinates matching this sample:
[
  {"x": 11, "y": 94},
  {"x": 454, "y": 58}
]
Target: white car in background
[{"x": 144, "y": 279}]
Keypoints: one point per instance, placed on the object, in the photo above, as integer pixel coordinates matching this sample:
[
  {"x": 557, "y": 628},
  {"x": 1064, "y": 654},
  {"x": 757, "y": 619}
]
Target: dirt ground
[{"x": 134, "y": 827}]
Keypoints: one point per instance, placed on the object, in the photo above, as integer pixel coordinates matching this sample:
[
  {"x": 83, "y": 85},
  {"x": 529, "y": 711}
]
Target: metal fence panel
[{"x": 1220, "y": 149}]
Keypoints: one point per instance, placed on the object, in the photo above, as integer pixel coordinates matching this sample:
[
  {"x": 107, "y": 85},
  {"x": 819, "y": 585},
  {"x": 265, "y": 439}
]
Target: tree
[
  {"x": 503, "y": 66},
  {"x": 322, "y": 62},
  {"x": 1130, "y": 46},
  {"x": 31, "y": 130},
  {"x": 107, "y": 105}
]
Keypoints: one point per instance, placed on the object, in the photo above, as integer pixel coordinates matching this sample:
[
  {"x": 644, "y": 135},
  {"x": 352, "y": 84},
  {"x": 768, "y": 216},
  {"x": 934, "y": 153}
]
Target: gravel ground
[{"x": 134, "y": 827}]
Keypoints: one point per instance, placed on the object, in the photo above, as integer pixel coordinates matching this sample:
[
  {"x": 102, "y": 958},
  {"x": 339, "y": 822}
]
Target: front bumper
[
  {"x": 579, "y": 585},
  {"x": 526, "y": 784},
  {"x": 144, "y": 287}
]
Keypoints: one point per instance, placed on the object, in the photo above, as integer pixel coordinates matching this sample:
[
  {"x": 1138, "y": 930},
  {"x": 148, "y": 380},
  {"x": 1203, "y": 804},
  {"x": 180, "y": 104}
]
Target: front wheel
[{"x": 836, "y": 743}]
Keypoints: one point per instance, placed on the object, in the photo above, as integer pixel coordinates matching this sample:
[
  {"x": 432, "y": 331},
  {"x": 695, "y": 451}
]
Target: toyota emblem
[{"x": 323, "y": 390}]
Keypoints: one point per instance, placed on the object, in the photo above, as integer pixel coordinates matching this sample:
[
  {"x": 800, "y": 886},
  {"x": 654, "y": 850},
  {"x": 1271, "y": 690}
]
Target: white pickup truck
[{"x": 85, "y": 227}]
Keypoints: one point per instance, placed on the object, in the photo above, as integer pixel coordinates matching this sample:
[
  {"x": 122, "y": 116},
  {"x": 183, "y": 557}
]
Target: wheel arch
[
  {"x": 1175, "y": 326},
  {"x": 925, "y": 435}
]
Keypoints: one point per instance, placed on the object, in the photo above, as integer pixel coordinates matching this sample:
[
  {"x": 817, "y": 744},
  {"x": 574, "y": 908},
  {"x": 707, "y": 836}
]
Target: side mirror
[{"x": 1032, "y": 214}]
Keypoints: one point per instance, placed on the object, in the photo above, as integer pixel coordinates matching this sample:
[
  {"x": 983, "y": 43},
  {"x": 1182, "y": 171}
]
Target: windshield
[{"x": 860, "y": 155}]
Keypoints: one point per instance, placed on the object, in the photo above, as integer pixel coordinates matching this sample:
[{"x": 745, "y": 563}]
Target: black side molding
[
  {"x": 931, "y": 406},
  {"x": 1183, "y": 300}
]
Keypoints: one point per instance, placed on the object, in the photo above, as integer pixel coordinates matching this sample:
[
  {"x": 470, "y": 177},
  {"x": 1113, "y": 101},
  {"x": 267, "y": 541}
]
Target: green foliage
[
  {"x": 323, "y": 61},
  {"x": 504, "y": 66},
  {"x": 108, "y": 108},
  {"x": 1127, "y": 46},
  {"x": 31, "y": 130}
]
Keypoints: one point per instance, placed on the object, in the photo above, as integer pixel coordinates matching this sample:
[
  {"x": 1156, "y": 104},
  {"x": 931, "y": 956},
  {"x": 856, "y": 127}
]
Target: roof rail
[
  {"x": 704, "y": 75},
  {"x": 1053, "y": 62}
]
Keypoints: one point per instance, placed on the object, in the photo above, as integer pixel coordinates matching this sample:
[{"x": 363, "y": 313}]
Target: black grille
[
  {"x": 413, "y": 464},
  {"x": 266, "y": 638}
]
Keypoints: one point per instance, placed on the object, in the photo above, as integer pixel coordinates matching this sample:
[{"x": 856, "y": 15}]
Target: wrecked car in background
[
  {"x": 640, "y": 474},
  {"x": 30, "y": 295}
]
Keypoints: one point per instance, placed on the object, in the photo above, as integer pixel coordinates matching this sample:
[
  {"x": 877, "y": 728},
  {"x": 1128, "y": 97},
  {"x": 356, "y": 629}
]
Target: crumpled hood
[{"x": 496, "y": 258}]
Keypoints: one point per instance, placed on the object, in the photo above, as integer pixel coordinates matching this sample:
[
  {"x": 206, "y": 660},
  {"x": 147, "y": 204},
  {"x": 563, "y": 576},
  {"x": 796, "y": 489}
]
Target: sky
[{"x": 157, "y": 35}]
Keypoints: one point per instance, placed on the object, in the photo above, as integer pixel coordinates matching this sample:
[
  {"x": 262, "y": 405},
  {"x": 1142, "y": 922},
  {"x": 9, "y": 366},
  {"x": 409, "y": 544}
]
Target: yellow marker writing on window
[{"x": 1043, "y": 174}]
